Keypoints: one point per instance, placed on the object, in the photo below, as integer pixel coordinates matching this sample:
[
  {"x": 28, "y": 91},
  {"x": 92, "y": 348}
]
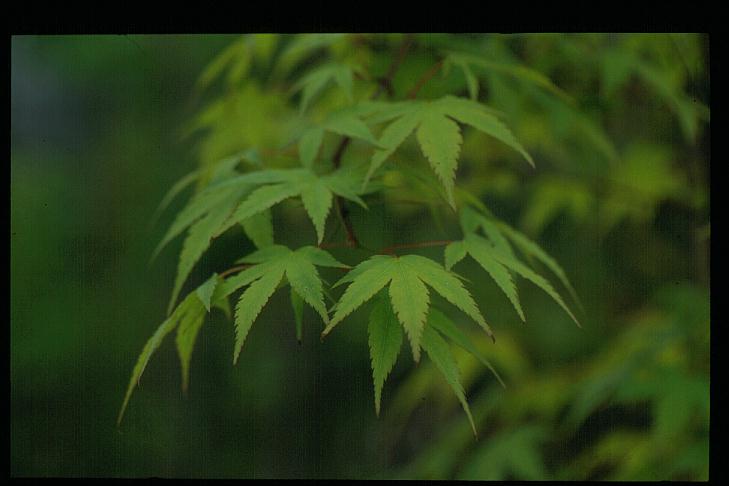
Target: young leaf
[
  {"x": 441, "y": 323},
  {"x": 205, "y": 291},
  {"x": 481, "y": 251},
  {"x": 410, "y": 301},
  {"x": 251, "y": 303},
  {"x": 409, "y": 297},
  {"x": 530, "y": 248},
  {"x": 198, "y": 240},
  {"x": 305, "y": 280},
  {"x": 187, "y": 332},
  {"x": 151, "y": 346},
  {"x": 317, "y": 199},
  {"x": 259, "y": 229},
  {"x": 441, "y": 356},
  {"x": 440, "y": 139},
  {"x": 309, "y": 145},
  {"x": 385, "y": 340}
]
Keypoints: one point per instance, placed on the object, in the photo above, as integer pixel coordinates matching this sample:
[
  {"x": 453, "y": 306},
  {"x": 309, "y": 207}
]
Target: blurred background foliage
[{"x": 102, "y": 126}]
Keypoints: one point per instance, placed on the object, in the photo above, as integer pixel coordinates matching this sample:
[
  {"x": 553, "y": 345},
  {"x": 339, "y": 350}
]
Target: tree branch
[
  {"x": 424, "y": 79},
  {"x": 390, "y": 250}
]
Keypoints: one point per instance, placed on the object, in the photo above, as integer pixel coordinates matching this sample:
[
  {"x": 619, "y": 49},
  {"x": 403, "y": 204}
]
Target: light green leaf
[
  {"x": 454, "y": 253},
  {"x": 187, "y": 331},
  {"x": 309, "y": 145},
  {"x": 482, "y": 252},
  {"x": 205, "y": 291},
  {"x": 251, "y": 303},
  {"x": 471, "y": 113},
  {"x": 261, "y": 199},
  {"x": 197, "y": 241},
  {"x": 151, "y": 346},
  {"x": 385, "y": 340},
  {"x": 317, "y": 199},
  {"x": 391, "y": 138},
  {"x": 305, "y": 280},
  {"x": 441, "y": 323},
  {"x": 366, "y": 285},
  {"x": 410, "y": 301},
  {"x": 530, "y": 248},
  {"x": 448, "y": 286},
  {"x": 320, "y": 257},
  {"x": 439, "y": 352},
  {"x": 440, "y": 139},
  {"x": 259, "y": 229},
  {"x": 536, "y": 279}
]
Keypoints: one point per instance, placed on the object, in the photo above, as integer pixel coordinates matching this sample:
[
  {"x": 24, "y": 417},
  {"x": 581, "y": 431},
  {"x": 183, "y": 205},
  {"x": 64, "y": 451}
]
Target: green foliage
[{"x": 324, "y": 149}]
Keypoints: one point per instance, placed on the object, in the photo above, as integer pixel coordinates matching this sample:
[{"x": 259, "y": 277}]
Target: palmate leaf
[
  {"x": 317, "y": 79},
  {"x": 315, "y": 191},
  {"x": 271, "y": 264},
  {"x": 385, "y": 340},
  {"x": 499, "y": 262},
  {"x": 344, "y": 122},
  {"x": 480, "y": 250},
  {"x": 408, "y": 276},
  {"x": 437, "y": 133},
  {"x": 499, "y": 233}
]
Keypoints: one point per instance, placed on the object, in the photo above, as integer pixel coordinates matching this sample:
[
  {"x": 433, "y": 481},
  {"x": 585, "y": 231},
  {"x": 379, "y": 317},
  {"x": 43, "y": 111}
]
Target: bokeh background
[{"x": 100, "y": 129}]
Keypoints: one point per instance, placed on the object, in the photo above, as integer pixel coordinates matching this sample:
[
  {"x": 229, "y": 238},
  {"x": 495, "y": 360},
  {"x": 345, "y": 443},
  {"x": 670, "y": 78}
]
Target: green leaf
[
  {"x": 454, "y": 253},
  {"x": 205, "y": 291},
  {"x": 317, "y": 199},
  {"x": 363, "y": 288},
  {"x": 177, "y": 188},
  {"x": 314, "y": 82},
  {"x": 441, "y": 356},
  {"x": 187, "y": 332},
  {"x": 297, "y": 303},
  {"x": 536, "y": 279},
  {"x": 482, "y": 252},
  {"x": 530, "y": 248},
  {"x": 305, "y": 280},
  {"x": 309, "y": 145},
  {"x": 151, "y": 346},
  {"x": 406, "y": 275},
  {"x": 197, "y": 241},
  {"x": 410, "y": 301},
  {"x": 472, "y": 113},
  {"x": 320, "y": 257},
  {"x": 385, "y": 340},
  {"x": 391, "y": 138},
  {"x": 440, "y": 139},
  {"x": 441, "y": 323},
  {"x": 259, "y": 229},
  {"x": 251, "y": 303},
  {"x": 263, "y": 198},
  {"x": 448, "y": 286}
]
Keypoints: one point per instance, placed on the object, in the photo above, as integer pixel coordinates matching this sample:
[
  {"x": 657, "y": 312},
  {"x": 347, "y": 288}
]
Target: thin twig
[
  {"x": 233, "y": 270},
  {"x": 424, "y": 79},
  {"x": 390, "y": 250},
  {"x": 337, "y": 159}
]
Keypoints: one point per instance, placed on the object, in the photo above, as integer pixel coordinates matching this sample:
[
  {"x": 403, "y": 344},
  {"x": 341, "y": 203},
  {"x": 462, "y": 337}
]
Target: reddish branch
[
  {"x": 337, "y": 159},
  {"x": 424, "y": 79},
  {"x": 390, "y": 250}
]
